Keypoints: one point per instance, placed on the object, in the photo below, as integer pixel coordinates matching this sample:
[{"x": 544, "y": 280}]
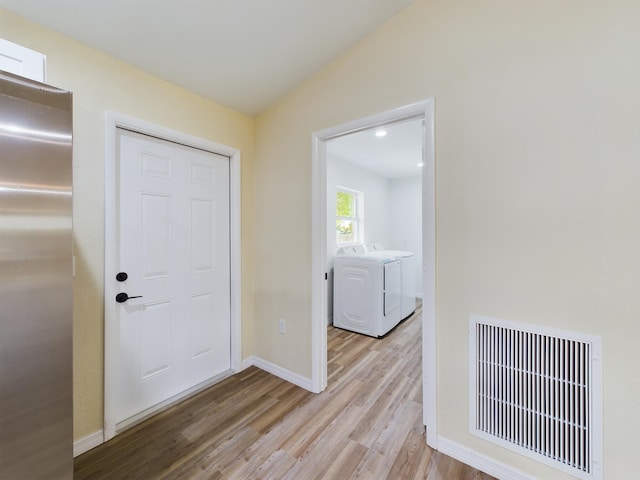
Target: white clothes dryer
[
  {"x": 408, "y": 275},
  {"x": 367, "y": 295}
]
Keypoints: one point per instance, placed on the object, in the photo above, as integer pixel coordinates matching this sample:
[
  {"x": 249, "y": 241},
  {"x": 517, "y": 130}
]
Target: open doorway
[
  {"x": 423, "y": 113},
  {"x": 374, "y": 186}
]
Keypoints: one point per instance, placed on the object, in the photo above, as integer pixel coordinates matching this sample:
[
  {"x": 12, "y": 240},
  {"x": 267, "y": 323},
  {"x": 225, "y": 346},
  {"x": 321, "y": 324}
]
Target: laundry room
[{"x": 374, "y": 200}]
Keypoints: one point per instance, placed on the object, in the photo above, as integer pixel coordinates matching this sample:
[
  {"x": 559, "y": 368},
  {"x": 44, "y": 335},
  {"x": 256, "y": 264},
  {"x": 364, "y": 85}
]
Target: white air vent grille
[{"x": 537, "y": 392}]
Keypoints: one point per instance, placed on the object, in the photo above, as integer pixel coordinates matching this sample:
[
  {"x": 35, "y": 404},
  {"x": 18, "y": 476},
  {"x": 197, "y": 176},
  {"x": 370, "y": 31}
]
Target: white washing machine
[
  {"x": 366, "y": 291},
  {"x": 408, "y": 284}
]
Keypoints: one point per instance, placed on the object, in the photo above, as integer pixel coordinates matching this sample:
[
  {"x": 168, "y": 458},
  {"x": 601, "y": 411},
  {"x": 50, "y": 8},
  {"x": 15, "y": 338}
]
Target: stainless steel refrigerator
[{"x": 36, "y": 279}]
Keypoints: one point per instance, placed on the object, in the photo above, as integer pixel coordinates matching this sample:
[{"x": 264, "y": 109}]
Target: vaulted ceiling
[{"x": 244, "y": 54}]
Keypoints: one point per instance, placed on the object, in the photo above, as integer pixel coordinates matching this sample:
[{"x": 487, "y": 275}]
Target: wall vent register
[{"x": 538, "y": 392}]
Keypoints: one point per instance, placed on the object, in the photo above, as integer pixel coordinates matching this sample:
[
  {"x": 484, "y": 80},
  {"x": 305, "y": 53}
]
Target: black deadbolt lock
[{"x": 122, "y": 276}]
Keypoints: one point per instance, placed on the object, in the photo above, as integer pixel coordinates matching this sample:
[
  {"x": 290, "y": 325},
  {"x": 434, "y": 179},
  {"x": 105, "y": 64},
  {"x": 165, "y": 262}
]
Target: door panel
[
  {"x": 156, "y": 217},
  {"x": 173, "y": 215},
  {"x": 202, "y": 329},
  {"x": 155, "y": 334},
  {"x": 202, "y": 235}
]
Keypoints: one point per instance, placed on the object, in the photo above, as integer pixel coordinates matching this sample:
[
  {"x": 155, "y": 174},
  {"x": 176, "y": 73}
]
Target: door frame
[
  {"x": 425, "y": 110},
  {"x": 113, "y": 121}
]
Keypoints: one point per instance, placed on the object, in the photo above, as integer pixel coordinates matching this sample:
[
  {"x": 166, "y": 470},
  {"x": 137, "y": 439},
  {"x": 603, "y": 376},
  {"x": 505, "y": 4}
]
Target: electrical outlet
[{"x": 282, "y": 326}]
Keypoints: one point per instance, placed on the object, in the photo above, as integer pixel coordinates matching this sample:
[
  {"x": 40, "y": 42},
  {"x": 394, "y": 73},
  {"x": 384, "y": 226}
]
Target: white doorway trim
[
  {"x": 111, "y": 329},
  {"x": 425, "y": 110}
]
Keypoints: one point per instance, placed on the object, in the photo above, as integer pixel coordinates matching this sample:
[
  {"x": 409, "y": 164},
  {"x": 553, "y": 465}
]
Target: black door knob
[
  {"x": 123, "y": 297},
  {"x": 122, "y": 276}
]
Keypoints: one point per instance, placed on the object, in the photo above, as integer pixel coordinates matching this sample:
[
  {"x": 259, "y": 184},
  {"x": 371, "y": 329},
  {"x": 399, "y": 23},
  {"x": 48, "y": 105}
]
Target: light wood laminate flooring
[{"x": 367, "y": 424}]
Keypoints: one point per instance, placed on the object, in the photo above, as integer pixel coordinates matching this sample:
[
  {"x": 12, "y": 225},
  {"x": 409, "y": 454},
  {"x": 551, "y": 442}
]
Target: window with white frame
[{"x": 349, "y": 221}]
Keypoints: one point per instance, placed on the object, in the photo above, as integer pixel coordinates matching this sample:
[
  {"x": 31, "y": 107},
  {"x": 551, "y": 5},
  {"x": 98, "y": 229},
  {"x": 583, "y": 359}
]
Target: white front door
[{"x": 173, "y": 245}]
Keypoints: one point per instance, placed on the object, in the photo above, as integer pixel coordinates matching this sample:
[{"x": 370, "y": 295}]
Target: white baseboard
[
  {"x": 247, "y": 362},
  {"x": 480, "y": 462},
  {"x": 278, "y": 371},
  {"x": 85, "y": 444}
]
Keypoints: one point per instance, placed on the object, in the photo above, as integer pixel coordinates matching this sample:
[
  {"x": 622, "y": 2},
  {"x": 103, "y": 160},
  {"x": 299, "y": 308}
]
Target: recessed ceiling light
[
  {"x": 421, "y": 164},
  {"x": 381, "y": 133}
]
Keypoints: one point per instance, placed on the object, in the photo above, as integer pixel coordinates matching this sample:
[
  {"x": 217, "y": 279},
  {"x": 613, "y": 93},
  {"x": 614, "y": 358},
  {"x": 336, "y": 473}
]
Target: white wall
[
  {"x": 375, "y": 190},
  {"x": 405, "y": 220}
]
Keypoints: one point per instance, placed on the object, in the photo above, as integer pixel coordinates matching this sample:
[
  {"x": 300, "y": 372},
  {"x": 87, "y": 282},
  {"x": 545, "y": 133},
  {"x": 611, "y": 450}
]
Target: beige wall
[
  {"x": 101, "y": 83},
  {"x": 538, "y": 163},
  {"x": 538, "y": 204}
]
